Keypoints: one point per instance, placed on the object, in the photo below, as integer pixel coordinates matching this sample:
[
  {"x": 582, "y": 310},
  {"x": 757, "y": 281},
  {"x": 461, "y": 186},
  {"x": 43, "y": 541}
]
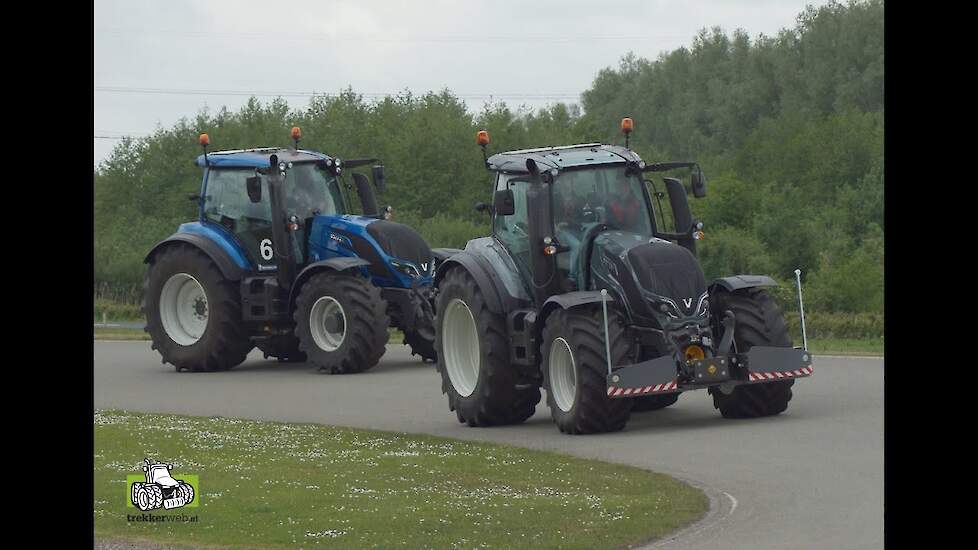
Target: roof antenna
[
  {"x": 626, "y": 128},
  {"x": 482, "y": 138},
  {"x": 205, "y": 140},
  {"x": 296, "y": 136}
]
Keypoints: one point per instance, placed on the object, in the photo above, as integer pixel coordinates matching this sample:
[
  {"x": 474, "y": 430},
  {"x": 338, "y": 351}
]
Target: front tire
[
  {"x": 193, "y": 315},
  {"x": 341, "y": 322},
  {"x": 759, "y": 322},
  {"x": 420, "y": 345},
  {"x": 473, "y": 358},
  {"x": 187, "y": 492},
  {"x": 575, "y": 371}
]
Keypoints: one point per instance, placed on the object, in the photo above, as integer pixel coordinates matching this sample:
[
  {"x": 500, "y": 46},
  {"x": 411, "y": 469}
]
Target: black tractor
[{"x": 589, "y": 287}]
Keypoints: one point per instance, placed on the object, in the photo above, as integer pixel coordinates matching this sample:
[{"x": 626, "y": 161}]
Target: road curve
[{"x": 809, "y": 478}]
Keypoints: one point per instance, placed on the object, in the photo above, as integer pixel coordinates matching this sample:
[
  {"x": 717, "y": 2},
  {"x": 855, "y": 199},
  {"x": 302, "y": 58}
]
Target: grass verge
[
  {"x": 846, "y": 346},
  {"x": 272, "y": 485},
  {"x": 110, "y": 333}
]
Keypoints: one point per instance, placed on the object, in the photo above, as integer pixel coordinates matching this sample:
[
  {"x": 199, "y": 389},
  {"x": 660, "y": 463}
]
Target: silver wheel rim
[
  {"x": 327, "y": 323},
  {"x": 183, "y": 309},
  {"x": 563, "y": 374},
  {"x": 460, "y": 342}
]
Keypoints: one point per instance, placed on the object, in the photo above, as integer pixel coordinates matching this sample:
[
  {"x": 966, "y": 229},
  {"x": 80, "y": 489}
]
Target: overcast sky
[{"x": 158, "y": 61}]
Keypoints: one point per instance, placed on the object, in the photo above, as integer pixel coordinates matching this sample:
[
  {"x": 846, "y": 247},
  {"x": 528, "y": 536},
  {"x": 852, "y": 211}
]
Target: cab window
[
  {"x": 227, "y": 203},
  {"x": 512, "y": 231}
]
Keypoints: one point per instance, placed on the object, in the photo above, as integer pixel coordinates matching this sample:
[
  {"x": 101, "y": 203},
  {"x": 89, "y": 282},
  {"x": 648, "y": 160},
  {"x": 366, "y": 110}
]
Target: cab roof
[
  {"x": 257, "y": 158},
  {"x": 568, "y": 156}
]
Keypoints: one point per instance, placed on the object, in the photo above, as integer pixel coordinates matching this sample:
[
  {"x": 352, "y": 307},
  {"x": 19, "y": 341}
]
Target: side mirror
[
  {"x": 378, "y": 175},
  {"x": 503, "y": 203},
  {"x": 680, "y": 205},
  {"x": 254, "y": 189},
  {"x": 698, "y": 183}
]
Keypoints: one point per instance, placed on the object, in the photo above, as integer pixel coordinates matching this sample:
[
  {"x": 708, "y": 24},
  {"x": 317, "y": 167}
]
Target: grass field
[{"x": 271, "y": 485}]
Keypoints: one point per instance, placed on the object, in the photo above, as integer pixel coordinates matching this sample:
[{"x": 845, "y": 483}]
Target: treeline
[{"x": 789, "y": 130}]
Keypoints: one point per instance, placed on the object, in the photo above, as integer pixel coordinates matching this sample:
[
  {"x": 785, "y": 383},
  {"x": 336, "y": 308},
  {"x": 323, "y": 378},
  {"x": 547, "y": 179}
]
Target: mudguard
[
  {"x": 231, "y": 270},
  {"x": 738, "y": 282},
  {"x": 442, "y": 254},
  {"x": 571, "y": 300},
  {"x": 339, "y": 263},
  {"x": 483, "y": 275}
]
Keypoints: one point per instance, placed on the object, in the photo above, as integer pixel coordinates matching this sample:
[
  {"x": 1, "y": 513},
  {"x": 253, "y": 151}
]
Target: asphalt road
[{"x": 811, "y": 477}]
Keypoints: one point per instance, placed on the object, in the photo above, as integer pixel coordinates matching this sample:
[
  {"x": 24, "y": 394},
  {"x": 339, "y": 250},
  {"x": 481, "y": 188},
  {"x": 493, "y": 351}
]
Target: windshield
[
  {"x": 311, "y": 191},
  {"x": 600, "y": 195}
]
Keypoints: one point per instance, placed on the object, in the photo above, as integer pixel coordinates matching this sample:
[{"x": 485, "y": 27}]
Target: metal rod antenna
[
  {"x": 607, "y": 340},
  {"x": 801, "y": 308}
]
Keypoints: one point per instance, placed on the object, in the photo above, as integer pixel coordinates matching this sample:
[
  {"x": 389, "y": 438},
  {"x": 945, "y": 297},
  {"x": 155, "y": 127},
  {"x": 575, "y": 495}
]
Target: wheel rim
[
  {"x": 460, "y": 342},
  {"x": 183, "y": 309},
  {"x": 327, "y": 323},
  {"x": 563, "y": 374}
]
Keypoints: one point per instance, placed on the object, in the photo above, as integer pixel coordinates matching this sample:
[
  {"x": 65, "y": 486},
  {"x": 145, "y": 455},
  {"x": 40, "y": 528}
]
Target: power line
[
  {"x": 386, "y": 38},
  {"x": 372, "y": 95}
]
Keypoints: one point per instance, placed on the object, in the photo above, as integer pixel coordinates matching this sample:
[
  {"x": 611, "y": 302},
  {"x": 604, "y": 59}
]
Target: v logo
[{"x": 687, "y": 302}]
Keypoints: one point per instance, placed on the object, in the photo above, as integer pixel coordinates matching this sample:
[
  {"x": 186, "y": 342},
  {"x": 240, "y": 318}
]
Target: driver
[
  {"x": 624, "y": 207},
  {"x": 571, "y": 211}
]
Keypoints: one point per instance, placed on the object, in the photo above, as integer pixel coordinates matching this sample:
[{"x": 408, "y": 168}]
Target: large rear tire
[
  {"x": 341, "y": 322},
  {"x": 575, "y": 371},
  {"x": 193, "y": 315},
  {"x": 473, "y": 357},
  {"x": 759, "y": 322}
]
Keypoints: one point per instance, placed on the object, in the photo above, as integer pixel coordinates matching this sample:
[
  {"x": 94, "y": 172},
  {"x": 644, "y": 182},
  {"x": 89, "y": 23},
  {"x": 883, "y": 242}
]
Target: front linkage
[{"x": 675, "y": 373}]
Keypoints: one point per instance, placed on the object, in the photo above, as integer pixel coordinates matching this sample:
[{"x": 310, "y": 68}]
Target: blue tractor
[{"x": 277, "y": 260}]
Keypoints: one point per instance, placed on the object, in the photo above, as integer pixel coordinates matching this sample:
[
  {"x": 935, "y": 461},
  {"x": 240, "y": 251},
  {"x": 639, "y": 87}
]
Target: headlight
[
  {"x": 408, "y": 269},
  {"x": 669, "y": 309},
  {"x": 703, "y": 309}
]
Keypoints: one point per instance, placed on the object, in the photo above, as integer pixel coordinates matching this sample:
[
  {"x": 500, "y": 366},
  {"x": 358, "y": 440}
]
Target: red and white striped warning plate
[
  {"x": 804, "y": 371},
  {"x": 622, "y": 392}
]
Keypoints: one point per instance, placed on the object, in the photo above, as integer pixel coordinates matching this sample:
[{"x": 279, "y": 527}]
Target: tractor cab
[
  {"x": 585, "y": 199},
  {"x": 160, "y": 474},
  {"x": 236, "y": 196}
]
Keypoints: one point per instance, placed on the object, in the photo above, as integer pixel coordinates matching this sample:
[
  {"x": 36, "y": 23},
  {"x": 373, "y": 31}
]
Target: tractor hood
[
  {"x": 652, "y": 274},
  {"x": 400, "y": 241},
  {"x": 378, "y": 241}
]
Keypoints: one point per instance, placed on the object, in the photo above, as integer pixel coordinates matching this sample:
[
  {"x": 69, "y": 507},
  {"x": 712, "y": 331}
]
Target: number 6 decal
[{"x": 266, "y": 249}]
